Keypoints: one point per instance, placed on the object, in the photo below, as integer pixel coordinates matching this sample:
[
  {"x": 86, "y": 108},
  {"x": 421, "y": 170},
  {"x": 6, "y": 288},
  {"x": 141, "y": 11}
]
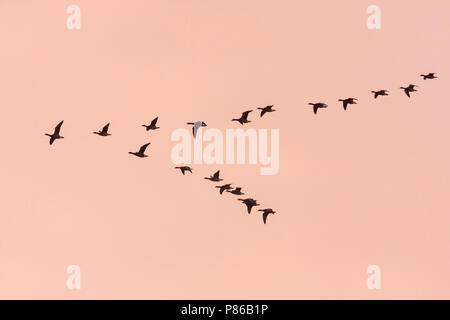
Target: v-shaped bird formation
[{"x": 244, "y": 119}]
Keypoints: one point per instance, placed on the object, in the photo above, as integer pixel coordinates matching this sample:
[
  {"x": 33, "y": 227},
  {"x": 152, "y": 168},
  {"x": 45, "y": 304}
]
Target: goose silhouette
[
  {"x": 224, "y": 187},
  {"x": 317, "y": 106},
  {"x": 55, "y": 135},
  {"x": 214, "y": 177},
  {"x": 152, "y": 125},
  {"x": 184, "y": 169},
  {"x": 380, "y": 93},
  {"x": 196, "y": 125},
  {"x": 236, "y": 191},
  {"x": 250, "y": 203},
  {"x": 348, "y": 101},
  {"x": 243, "y": 119},
  {"x": 266, "y": 109},
  {"x": 429, "y": 76},
  {"x": 265, "y": 213},
  {"x": 104, "y": 131},
  {"x": 408, "y": 89},
  {"x": 141, "y": 151}
]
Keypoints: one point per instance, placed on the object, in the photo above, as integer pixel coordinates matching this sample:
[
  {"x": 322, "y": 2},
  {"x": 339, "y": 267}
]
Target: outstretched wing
[
  {"x": 154, "y": 122},
  {"x": 315, "y": 108},
  {"x": 216, "y": 175},
  {"x": 265, "y": 214},
  {"x": 249, "y": 206},
  {"x": 52, "y": 138},
  {"x": 105, "y": 128},
  {"x": 197, "y": 125},
  {"x": 345, "y": 104},
  {"x": 407, "y": 92},
  {"x": 58, "y": 128},
  {"x": 142, "y": 149},
  {"x": 245, "y": 114}
]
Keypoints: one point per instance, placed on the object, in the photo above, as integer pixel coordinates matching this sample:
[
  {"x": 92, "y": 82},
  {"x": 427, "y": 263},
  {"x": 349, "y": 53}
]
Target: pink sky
[{"x": 365, "y": 186}]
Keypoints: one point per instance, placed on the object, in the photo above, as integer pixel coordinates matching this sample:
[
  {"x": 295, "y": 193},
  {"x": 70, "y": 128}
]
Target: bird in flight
[
  {"x": 141, "y": 151},
  {"x": 196, "y": 125},
  {"x": 429, "y": 76},
  {"x": 224, "y": 187},
  {"x": 243, "y": 119},
  {"x": 104, "y": 131},
  {"x": 408, "y": 89},
  {"x": 250, "y": 203},
  {"x": 184, "y": 169},
  {"x": 265, "y": 213},
  {"x": 266, "y": 109},
  {"x": 348, "y": 101},
  {"x": 152, "y": 125},
  {"x": 236, "y": 191},
  {"x": 55, "y": 134},
  {"x": 318, "y": 105},
  {"x": 380, "y": 93},
  {"x": 214, "y": 177}
]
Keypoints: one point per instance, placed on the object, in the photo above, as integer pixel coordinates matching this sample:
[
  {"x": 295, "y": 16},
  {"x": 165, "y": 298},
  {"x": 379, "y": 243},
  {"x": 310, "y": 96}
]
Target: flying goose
[
  {"x": 348, "y": 101},
  {"x": 214, "y": 177},
  {"x": 236, "y": 191},
  {"x": 104, "y": 131},
  {"x": 318, "y": 105},
  {"x": 224, "y": 187},
  {"x": 429, "y": 76},
  {"x": 196, "y": 125},
  {"x": 55, "y": 134},
  {"x": 408, "y": 89},
  {"x": 152, "y": 125},
  {"x": 250, "y": 203},
  {"x": 265, "y": 213},
  {"x": 141, "y": 151},
  {"x": 266, "y": 109},
  {"x": 380, "y": 93},
  {"x": 243, "y": 119},
  {"x": 184, "y": 169}
]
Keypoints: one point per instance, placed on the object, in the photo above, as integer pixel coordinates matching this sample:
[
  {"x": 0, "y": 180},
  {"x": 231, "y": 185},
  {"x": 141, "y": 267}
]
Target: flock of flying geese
[
  {"x": 249, "y": 202},
  {"x": 410, "y": 88}
]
